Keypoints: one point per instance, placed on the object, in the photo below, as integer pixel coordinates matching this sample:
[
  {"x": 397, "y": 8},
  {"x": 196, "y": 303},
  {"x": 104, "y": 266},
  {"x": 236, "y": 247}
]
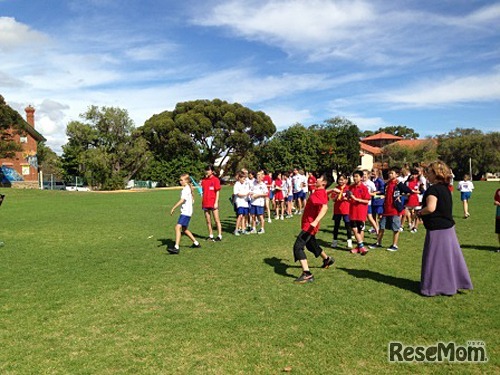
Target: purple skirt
[{"x": 443, "y": 266}]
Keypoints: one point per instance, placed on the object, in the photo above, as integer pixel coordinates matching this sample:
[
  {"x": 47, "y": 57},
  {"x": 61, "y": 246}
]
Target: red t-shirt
[
  {"x": 313, "y": 206},
  {"x": 389, "y": 209},
  {"x": 359, "y": 211},
  {"x": 311, "y": 183},
  {"x": 413, "y": 198},
  {"x": 269, "y": 182},
  {"x": 278, "y": 193},
  {"x": 210, "y": 186},
  {"x": 341, "y": 203}
]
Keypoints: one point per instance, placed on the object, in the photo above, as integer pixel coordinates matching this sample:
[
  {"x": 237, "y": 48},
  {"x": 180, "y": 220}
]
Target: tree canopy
[
  {"x": 398, "y": 130},
  {"x": 207, "y": 130},
  {"x": 106, "y": 149},
  {"x": 9, "y": 119}
]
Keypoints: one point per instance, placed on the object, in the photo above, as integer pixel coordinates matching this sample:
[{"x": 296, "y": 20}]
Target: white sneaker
[
  {"x": 261, "y": 231},
  {"x": 401, "y": 229},
  {"x": 236, "y": 232},
  {"x": 334, "y": 243},
  {"x": 253, "y": 231},
  {"x": 269, "y": 220},
  {"x": 349, "y": 244},
  {"x": 282, "y": 217},
  {"x": 276, "y": 217}
]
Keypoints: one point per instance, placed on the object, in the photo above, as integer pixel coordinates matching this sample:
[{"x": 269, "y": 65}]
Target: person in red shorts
[
  {"x": 210, "y": 185},
  {"x": 359, "y": 197},
  {"x": 315, "y": 209}
]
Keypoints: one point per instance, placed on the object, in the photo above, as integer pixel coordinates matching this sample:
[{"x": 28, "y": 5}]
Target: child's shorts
[
  {"x": 257, "y": 210},
  {"x": 184, "y": 221},
  {"x": 390, "y": 222},
  {"x": 465, "y": 196},
  {"x": 242, "y": 211}
]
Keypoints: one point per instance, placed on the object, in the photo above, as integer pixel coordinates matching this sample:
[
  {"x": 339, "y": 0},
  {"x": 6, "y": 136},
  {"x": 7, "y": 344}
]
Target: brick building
[{"x": 21, "y": 171}]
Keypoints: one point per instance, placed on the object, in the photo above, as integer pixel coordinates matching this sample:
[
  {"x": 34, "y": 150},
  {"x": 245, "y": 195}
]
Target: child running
[
  {"x": 186, "y": 203},
  {"x": 315, "y": 209},
  {"x": 465, "y": 188}
]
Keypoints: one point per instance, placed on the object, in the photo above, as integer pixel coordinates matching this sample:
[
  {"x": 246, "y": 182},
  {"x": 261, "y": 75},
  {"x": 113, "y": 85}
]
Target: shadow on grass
[
  {"x": 407, "y": 284},
  {"x": 167, "y": 242},
  {"x": 280, "y": 267},
  {"x": 479, "y": 247}
]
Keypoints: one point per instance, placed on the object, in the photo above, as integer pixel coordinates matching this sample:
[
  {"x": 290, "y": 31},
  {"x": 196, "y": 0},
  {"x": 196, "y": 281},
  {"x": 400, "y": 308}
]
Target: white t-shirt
[
  {"x": 259, "y": 188},
  {"x": 243, "y": 189},
  {"x": 371, "y": 188},
  {"x": 187, "y": 206},
  {"x": 465, "y": 186}
]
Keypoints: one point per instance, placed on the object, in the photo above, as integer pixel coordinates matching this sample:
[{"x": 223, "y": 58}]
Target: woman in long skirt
[{"x": 443, "y": 266}]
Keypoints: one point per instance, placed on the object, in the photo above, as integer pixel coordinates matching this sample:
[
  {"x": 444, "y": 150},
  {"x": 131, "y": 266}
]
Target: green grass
[{"x": 87, "y": 288}]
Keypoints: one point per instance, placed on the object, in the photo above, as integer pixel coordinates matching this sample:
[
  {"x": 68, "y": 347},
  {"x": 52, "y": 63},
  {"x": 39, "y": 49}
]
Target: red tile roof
[
  {"x": 414, "y": 143},
  {"x": 371, "y": 149},
  {"x": 381, "y": 136}
]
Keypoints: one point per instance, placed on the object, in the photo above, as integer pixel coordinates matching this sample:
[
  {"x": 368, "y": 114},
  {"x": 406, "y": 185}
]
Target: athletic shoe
[
  {"x": 2, "y": 244},
  {"x": 282, "y": 217},
  {"x": 253, "y": 231},
  {"x": 173, "y": 251},
  {"x": 261, "y": 231},
  {"x": 414, "y": 230},
  {"x": 375, "y": 246},
  {"x": 393, "y": 248},
  {"x": 334, "y": 243},
  {"x": 218, "y": 238},
  {"x": 236, "y": 232},
  {"x": 193, "y": 246},
  {"x": 373, "y": 231},
  {"x": 401, "y": 229},
  {"x": 363, "y": 250},
  {"x": 269, "y": 220},
  {"x": 276, "y": 217},
  {"x": 302, "y": 279},
  {"x": 328, "y": 262},
  {"x": 355, "y": 250},
  {"x": 210, "y": 239},
  {"x": 466, "y": 216},
  {"x": 349, "y": 244}
]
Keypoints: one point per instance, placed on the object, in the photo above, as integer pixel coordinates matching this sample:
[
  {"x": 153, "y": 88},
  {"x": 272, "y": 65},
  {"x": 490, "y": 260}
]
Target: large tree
[
  {"x": 207, "y": 130},
  {"x": 106, "y": 149},
  {"x": 399, "y": 130}
]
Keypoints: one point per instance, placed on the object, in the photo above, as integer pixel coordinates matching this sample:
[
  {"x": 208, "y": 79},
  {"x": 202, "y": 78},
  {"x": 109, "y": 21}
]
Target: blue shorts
[
  {"x": 184, "y": 221},
  {"x": 465, "y": 196},
  {"x": 257, "y": 210},
  {"x": 289, "y": 198},
  {"x": 390, "y": 222},
  {"x": 242, "y": 211},
  {"x": 299, "y": 195},
  {"x": 271, "y": 194},
  {"x": 377, "y": 210}
]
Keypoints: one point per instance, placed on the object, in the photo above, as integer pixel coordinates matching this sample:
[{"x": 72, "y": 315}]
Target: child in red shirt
[
  {"x": 359, "y": 197},
  {"x": 341, "y": 210},
  {"x": 316, "y": 208}
]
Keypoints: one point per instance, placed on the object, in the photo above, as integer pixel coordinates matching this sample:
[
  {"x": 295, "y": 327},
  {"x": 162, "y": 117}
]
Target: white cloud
[
  {"x": 451, "y": 90},
  {"x": 284, "y": 116},
  {"x": 15, "y": 35}
]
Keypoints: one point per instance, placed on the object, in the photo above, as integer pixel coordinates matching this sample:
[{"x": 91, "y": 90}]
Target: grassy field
[{"x": 88, "y": 288}]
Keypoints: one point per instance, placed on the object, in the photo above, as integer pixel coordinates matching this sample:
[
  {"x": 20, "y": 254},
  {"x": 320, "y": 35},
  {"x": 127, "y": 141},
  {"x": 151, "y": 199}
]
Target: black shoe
[
  {"x": 211, "y": 239},
  {"x": 193, "y": 246},
  {"x": 328, "y": 262},
  {"x": 173, "y": 251},
  {"x": 217, "y": 239},
  {"x": 302, "y": 279}
]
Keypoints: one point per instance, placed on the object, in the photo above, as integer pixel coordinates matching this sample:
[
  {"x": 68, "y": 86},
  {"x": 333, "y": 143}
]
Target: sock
[
  {"x": 196, "y": 243},
  {"x": 211, "y": 236},
  {"x": 220, "y": 236},
  {"x": 176, "y": 246}
]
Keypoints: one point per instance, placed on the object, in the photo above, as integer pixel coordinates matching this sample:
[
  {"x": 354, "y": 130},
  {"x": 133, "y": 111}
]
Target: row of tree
[{"x": 107, "y": 150}]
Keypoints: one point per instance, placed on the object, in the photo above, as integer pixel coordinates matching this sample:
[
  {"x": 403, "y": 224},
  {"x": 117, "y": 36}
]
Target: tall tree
[
  {"x": 399, "y": 130},
  {"x": 48, "y": 161},
  {"x": 207, "y": 130},
  {"x": 106, "y": 148}
]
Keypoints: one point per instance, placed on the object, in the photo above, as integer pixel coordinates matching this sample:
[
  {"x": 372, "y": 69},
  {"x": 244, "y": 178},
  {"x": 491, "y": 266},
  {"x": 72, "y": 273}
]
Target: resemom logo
[{"x": 471, "y": 352}]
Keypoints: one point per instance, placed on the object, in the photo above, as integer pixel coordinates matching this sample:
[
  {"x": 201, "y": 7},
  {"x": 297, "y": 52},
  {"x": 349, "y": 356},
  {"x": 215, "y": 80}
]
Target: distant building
[
  {"x": 21, "y": 171},
  {"x": 371, "y": 149}
]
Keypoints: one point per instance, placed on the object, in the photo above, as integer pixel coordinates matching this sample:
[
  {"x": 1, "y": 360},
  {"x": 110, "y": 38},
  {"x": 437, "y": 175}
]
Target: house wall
[{"x": 366, "y": 161}]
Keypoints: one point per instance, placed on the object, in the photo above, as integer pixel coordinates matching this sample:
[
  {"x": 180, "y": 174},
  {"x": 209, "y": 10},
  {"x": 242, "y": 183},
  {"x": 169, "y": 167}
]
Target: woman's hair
[
  {"x": 186, "y": 177},
  {"x": 441, "y": 170}
]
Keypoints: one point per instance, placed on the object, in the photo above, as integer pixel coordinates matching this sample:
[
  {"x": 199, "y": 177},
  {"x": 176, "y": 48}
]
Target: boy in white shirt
[
  {"x": 258, "y": 200},
  {"x": 241, "y": 191},
  {"x": 465, "y": 188}
]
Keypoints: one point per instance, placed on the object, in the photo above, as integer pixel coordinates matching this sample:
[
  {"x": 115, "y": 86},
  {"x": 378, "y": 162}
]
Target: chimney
[{"x": 30, "y": 115}]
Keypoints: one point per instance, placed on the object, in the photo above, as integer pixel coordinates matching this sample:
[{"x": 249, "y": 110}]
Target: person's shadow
[
  {"x": 166, "y": 242},
  {"x": 399, "y": 282},
  {"x": 479, "y": 247},
  {"x": 280, "y": 267}
]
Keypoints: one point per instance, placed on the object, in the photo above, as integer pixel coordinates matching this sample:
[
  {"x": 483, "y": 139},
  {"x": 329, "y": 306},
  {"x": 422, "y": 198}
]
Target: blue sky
[{"x": 429, "y": 65}]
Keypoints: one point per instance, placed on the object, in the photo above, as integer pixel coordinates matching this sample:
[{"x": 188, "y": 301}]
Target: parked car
[{"x": 54, "y": 185}]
